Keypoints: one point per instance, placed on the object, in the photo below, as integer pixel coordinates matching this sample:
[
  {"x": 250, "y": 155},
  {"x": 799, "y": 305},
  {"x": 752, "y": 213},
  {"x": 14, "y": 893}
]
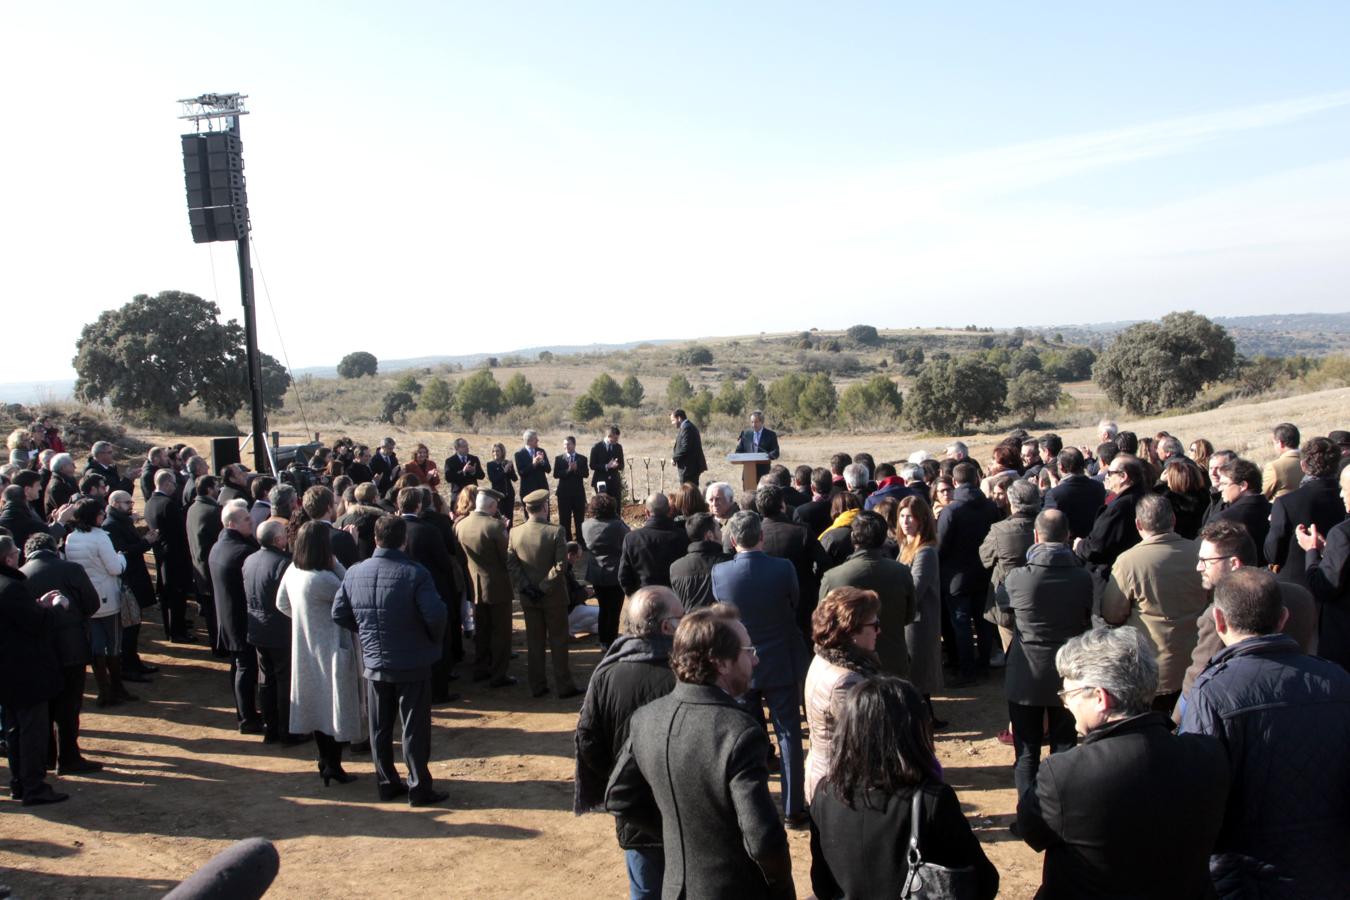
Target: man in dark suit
[
  {"x": 688, "y": 452},
  {"x": 815, "y": 514},
  {"x": 1314, "y": 502},
  {"x": 569, "y": 470},
  {"x": 234, "y": 485},
  {"x": 101, "y": 463},
  {"x": 532, "y": 466},
  {"x": 764, "y": 589},
  {"x": 1327, "y": 571},
  {"x": 425, "y": 546},
  {"x": 461, "y": 468},
  {"x": 695, "y": 768},
  {"x": 392, "y": 605},
  {"x": 649, "y": 551},
  {"x": 1079, "y": 497},
  {"x": 226, "y": 561},
  {"x": 203, "y": 530},
  {"x": 384, "y": 466},
  {"x": 1113, "y": 530},
  {"x": 319, "y": 505},
  {"x": 173, "y": 558},
  {"x": 607, "y": 465},
  {"x": 1241, "y": 501},
  {"x": 962, "y": 527},
  {"x": 789, "y": 540},
  {"x": 758, "y": 439},
  {"x": 269, "y": 631}
]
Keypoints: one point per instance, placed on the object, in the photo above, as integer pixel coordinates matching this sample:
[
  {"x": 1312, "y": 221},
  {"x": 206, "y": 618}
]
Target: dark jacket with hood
[
  {"x": 691, "y": 574},
  {"x": 1045, "y": 603}
]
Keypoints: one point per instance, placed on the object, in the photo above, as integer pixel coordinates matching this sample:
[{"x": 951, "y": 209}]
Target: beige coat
[
  {"x": 826, "y": 685},
  {"x": 486, "y": 546},
  {"x": 1156, "y": 588},
  {"x": 1281, "y": 475}
]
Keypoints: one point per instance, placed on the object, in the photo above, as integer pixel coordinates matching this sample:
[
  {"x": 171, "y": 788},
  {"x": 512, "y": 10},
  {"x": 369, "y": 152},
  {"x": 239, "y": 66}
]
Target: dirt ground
[{"x": 180, "y": 784}]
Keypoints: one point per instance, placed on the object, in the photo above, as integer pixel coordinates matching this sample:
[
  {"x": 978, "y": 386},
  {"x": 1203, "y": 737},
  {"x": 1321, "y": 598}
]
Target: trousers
[
  {"x": 547, "y": 626},
  {"x": 646, "y": 870},
  {"x": 609, "y": 597},
  {"x": 1028, "y": 738},
  {"x": 491, "y": 639},
  {"x": 26, "y": 737},
  {"x": 409, "y": 703},
  {"x": 274, "y": 689},
  {"x": 785, "y": 712},
  {"x": 244, "y": 673},
  {"x": 64, "y": 711}
]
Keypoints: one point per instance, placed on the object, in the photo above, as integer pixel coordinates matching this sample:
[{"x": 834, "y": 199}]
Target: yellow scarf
[{"x": 845, "y": 519}]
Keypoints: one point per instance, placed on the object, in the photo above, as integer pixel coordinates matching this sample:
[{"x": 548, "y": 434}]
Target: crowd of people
[{"x": 1172, "y": 620}]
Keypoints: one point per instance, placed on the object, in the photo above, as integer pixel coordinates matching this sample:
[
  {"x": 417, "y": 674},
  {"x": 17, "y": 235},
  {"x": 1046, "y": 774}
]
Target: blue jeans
[
  {"x": 785, "y": 712},
  {"x": 646, "y": 868},
  {"x": 967, "y": 615}
]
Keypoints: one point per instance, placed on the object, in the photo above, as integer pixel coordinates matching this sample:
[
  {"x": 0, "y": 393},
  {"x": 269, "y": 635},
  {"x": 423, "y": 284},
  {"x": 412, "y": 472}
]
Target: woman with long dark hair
[
  {"x": 325, "y": 661},
  {"x": 860, "y": 814}
]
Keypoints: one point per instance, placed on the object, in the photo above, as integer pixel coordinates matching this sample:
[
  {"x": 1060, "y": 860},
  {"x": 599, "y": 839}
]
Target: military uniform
[
  {"x": 484, "y": 541},
  {"x": 537, "y": 560}
]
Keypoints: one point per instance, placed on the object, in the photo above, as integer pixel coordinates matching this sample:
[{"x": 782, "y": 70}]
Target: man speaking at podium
[{"x": 758, "y": 439}]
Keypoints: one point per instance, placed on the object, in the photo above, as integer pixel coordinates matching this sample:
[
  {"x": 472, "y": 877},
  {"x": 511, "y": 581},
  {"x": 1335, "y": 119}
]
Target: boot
[
  {"x": 106, "y": 696},
  {"x": 119, "y": 690}
]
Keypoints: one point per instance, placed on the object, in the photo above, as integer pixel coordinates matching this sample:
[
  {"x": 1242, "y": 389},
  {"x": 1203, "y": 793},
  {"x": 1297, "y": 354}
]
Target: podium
[{"x": 749, "y": 463}]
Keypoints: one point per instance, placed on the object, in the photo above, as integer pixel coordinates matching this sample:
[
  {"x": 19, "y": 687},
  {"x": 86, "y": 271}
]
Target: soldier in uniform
[
  {"x": 483, "y": 537},
  {"x": 537, "y": 561}
]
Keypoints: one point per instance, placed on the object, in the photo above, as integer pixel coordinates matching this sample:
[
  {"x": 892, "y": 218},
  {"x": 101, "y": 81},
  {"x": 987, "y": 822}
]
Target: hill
[{"x": 1295, "y": 334}]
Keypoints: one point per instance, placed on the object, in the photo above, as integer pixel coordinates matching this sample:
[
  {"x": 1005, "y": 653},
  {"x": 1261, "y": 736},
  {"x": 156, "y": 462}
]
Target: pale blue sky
[{"x": 519, "y": 174}]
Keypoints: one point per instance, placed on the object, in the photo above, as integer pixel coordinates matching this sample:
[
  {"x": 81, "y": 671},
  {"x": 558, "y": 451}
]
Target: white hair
[
  {"x": 911, "y": 473},
  {"x": 917, "y": 457},
  {"x": 165, "y": 477},
  {"x": 60, "y": 460},
  {"x": 722, "y": 488},
  {"x": 228, "y": 511},
  {"x": 482, "y": 501},
  {"x": 1106, "y": 426},
  {"x": 855, "y": 476},
  {"x": 529, "y": 433}
]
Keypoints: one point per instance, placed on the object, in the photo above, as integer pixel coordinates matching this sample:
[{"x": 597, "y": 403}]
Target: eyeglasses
[
  {"x": 875, "y": 625},
  {"x": 1066, "y": 694},
  {"x": 752, "y": 651},
  {"x": 1115, "y": 471},
  {"x": 1206, "y": 560}
]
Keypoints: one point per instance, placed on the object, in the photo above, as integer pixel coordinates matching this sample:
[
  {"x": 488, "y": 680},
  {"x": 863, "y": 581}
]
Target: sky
[{"x": 451, "y": 178}]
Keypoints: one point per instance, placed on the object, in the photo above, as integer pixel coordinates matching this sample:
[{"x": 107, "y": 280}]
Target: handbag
[
  {"x": 930, "y": 881},
  {"x": 130, "y": 611}
]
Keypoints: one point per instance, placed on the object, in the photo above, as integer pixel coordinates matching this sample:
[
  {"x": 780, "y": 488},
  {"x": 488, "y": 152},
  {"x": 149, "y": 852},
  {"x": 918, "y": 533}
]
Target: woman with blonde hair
[
  {"x": 844, "y": 628},
  {"x": 916, "y": 530},
  {"x": 464, "y": 502}
]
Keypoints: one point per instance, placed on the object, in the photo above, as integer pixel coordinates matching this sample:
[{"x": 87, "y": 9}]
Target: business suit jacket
[
  {"x": 1328, "y": 576},
  {"x": 226, "y": 562},
  {"x": 172, "y": 554},
  {"x": 570, "y": 485},
  {"x": 1080, "y": 499},
  {"x": 203, "y": 530},
  {"x": 115, "y": 481},
  {"x": 601, "y": 456},
  {"x": 815, "y": 515},
  {"x": 382, "y": 470},
  {"x": 426, "y": 547},
  {"x": 688, "y": 453},
  {"x": 962, "y": 526},
  {"x": 872, "y": 570},
  {"x": 486, "y": 546},
  {"x": 345, "y": 548},
  {"x": 1281, "y": 475},
  {"x": 1317, "y": 502},
  {"x": 532, "y": 477},
  {"x": 695, "y": 767},
  {"x": 790, "y": 540},
  {"x": 648, "y": 553},
  {"x": 764, "y": 589},
  {"x": 768, "y": 443},
  {"x": 454, "y": 473},
  {"x": 1253, "y": 511}
]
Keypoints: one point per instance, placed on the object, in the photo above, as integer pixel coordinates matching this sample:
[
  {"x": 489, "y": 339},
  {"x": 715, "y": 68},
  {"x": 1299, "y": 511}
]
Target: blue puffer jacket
[
  {"x": 392, "y": 604},
  {"x": 1284, "y": 718}
]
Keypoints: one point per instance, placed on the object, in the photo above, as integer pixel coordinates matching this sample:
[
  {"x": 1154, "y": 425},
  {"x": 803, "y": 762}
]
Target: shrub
[
  {"x": 478, "y": 395},
  {"x": 631, "y": 392},
  {"x": 354, "y": 365},
  {"x": 864, "y": 334},
  {"x": 605, "y": 390},
  {"x": 678, "y": 391},
  {"x": 518, "y": 392},
  {"x": 408, "y": 384},
  {"x": 729, "y": 400},
  {"x": 694, "y": 355},
  {"x": 587, "y": 408},
  {"x": 864, "y": 402}
]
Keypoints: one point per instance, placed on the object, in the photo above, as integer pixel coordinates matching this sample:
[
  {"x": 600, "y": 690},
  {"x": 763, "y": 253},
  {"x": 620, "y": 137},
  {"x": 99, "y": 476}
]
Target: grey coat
[
  {"x": 267, "y": 628},
  {"x": 1045, "y": 602},
  {"x": 872, "y": 570},
  {"x": 325, "y": 660},
  {"x": 696, "y": 767},
  {"x": 604, "y": 540},
  {"x": 923, "y": 637}
]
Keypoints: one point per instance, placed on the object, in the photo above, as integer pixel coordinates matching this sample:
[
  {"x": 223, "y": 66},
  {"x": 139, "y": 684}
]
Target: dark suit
[
  {"x": 764, "y": 589},
  {"x": 345, "y": 548},
  {"x": 454, "y": 473},
  {"x": 382, "y": 469},
  {"x": 1253, "y": 511},
  {"x": 1317, "y": 502},
  {"x": 427, "y": 547},
  {"x": 601, "y": 456},
  {"x": 1328, "y": 577},
  {"x": 1080, "y": 499},
  {"x": 815, "y": 515},
  {"x": 226, "y": 561},
  {"x": 695, "y": 767},
  {"x": 1133, "y": 811},
  {"x": 688, "y": 453},
  {"x": 962, "y": 527},
  {"x": 790, "y": 540},
  {"x": 30, "y": 676},
  {"x": 115, "y": 481},
  {"x": 203, "y": 530},
  {"x": 648, "y": 553},
  {"x": 173, "y": 560},
  {"x": 532, "y": 477},
  {"x": 571, "y": 490},
  {"x": 768, "y": 443}
]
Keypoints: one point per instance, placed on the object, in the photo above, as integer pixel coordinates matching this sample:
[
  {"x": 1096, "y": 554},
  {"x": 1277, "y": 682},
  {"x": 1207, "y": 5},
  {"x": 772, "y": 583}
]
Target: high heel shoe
[{"x": 337, "y": 775}]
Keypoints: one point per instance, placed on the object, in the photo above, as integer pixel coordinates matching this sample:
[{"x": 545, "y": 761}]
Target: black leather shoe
[
  {"x": 392, "y": 792},
  {"x": 135, "y": 676},
  {"x": 44, "y": 797},
  {"x": 797, "y": 821},
  {"x": 79, "y": 767},
  {"x": 251, "y": 727},
  {"x": 506, "y": 681},
  {"x": 430, "y": 799}
]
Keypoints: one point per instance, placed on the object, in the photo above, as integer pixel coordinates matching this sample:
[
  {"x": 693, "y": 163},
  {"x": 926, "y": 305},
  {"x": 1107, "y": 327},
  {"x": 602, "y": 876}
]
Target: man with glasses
[
  {"x": 1225, "y": 547},
  {"x": 1113, "y": 531},
  {"x": 694, "y": 769},
  {"x": 634, "y": 672},
  {"x": 101, "y": 462},
  {"x": 1238, "y": 482}
]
